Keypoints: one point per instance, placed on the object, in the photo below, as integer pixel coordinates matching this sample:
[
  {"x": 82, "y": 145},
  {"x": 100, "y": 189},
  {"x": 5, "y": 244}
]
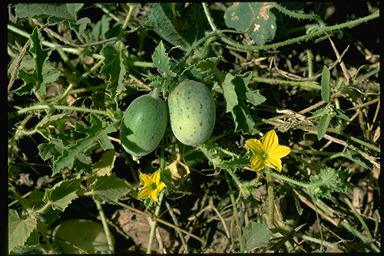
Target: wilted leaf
[{"x": 254, "y": 18}]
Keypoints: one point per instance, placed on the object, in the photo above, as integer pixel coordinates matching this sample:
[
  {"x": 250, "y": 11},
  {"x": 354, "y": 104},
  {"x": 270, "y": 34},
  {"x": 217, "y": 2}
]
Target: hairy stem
[
  {"x": 62, "y": 107},
  {"x": 235, "y": 213},
  {"x": 271, "y": 200},
  {"x": 105, "y": 226},
  {"x": 209, "y": 17}
]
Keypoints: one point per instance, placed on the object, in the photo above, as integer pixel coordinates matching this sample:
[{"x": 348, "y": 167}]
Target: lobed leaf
[
  {"x": 105, "y": 165},
  {"x": 62, "y": 11},
  {"x": 62, "y": 194},
  {"x": 19, "y": 229},
  {"x": 114, "y": 68},
  {"x": 109, "y": 189},
  {"x": 97, "y": 134},
  {"x": 327, "y": 182},
  {"x": 255, "y": 235},
  {"x": 236, "y": 93},
  {"x": 161, "y": 61}
]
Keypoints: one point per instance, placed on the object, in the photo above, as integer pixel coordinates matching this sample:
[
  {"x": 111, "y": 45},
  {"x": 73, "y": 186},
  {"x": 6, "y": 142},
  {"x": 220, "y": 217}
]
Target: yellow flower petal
[
  {"x": 254, "y": 146},
  {"x": 274, "y": 163},
  {"x": 160, "y": 186},
  {"x": 156, "y": 177},
  {"x": 257, "y": 163},
  {"x": 279, "y": 152},
  {"x": 153, "y": 195},
  {"x": 144, "y": 179},
  {"x": 270, "y": 140},
  {"x": 144, "y": 193}
]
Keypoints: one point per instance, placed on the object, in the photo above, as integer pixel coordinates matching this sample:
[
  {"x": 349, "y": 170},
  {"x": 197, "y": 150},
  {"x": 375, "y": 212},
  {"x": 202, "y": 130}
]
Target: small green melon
[
  {"x": 143, "y": 125},
  {"x": 192, "y": 112},
  {"x": 76, "y": 236}
]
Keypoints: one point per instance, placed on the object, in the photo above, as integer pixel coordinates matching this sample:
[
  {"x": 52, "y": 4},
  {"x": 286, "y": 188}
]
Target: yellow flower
[
  {"x": 151, "y": 185},
  {"x": 267, "y": 152}
]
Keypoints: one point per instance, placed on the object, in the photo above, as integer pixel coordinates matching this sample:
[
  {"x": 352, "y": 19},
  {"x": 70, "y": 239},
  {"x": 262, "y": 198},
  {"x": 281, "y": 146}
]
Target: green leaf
[
  {"x": 254, "y": 97},
  {"x": 62, "y": 11},
  {"x": 53, "y": 149},
  {"x": 97, "y": 134},
  {"x": 101, "y": 28},
  {"x": 355, "y": 157},
  {"x": 320, "y": 112},
  {"x": 323, "y": 125},
  {"x": 341, "y": 114},
  {"x": 42, "y": 74},
  {"x": 82, "y": 24},
  {"x": 216, "y": 155},
  {"x": 19, "y": 229},
  {"x": 255, "y": 19},
  {"x": 160, "y": 20},
  {"x": 62, "y": 194},
  {"x": 327, "y": 182},
  {"x": 179, "y": 24},
  {"x": 114, "y": 68},
  {"x": 235, "y": 89},
  {"x": 109, "y": 189},
  {"x": 230, "y": 94},
  {"x": 325, "y": 87},
  {"x": 255, "y": 235},
  {"x": 105, "y": 165},
  {"x": 28, "y": 85},
  {"x": 27, "y": 64},
  {"x": 161, "y": 61}
]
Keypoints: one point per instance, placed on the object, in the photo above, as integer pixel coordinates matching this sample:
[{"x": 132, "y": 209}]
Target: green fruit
[
  {"x": 143, "y": 125},
  {"x": 81, "y": 236},
  {"x": 192, "y": 112}
]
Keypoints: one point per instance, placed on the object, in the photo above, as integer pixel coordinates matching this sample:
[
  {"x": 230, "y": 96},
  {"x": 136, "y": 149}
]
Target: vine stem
[
  {"x": 154, "y": 224},
  {"x": 105, "y": 226},
  {"x": 287, "y": 179},
  {"x": 271, "y": 200},
  {"x": 158, "y": 207},
  {"x": 357, "y": 215},
  {"x": 235, "y": 213},
  {"x": 62, "y": 107},
  {"x": 302, "y": 16},
  {"x": 323, "y": 31},
  {"x": 305, "y": 84},
  {"x": 75, "y": 51},
  {"x": 209, "y": 17},
  {"x": 130, "y": 9}
]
